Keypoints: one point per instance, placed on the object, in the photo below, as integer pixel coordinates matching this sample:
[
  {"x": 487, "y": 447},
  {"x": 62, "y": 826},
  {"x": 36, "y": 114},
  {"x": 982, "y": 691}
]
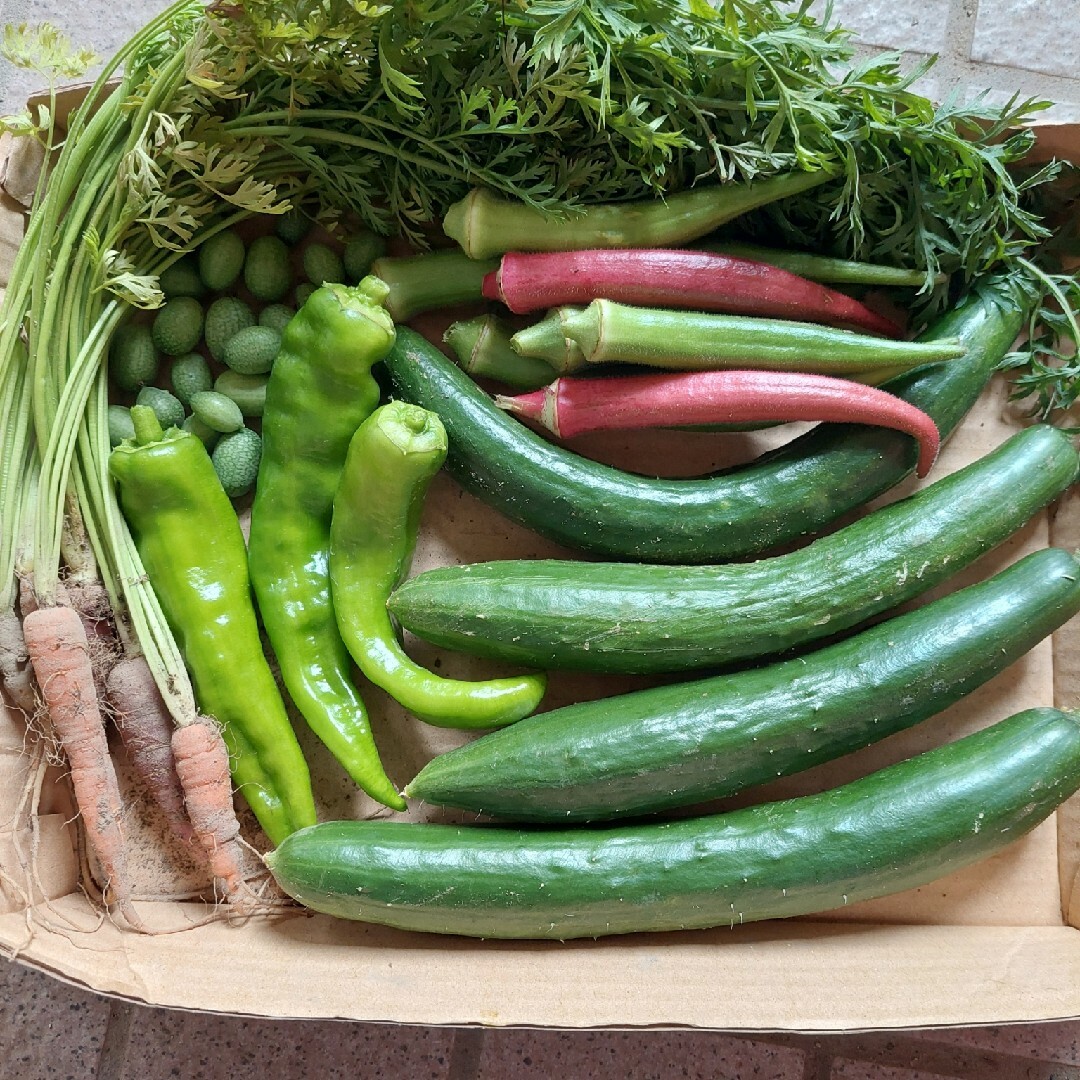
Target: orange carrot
[
  {"x": 146, "y": 730},
  {"x": 60, "y": 655},
  {"x": 202, "y": 764}
]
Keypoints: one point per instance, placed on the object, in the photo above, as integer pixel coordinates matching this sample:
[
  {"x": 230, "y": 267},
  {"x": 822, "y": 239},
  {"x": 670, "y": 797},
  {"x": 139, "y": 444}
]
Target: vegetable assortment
[
  {"x": 803, "y": 488},
  {"x": 192, "y": 189}
]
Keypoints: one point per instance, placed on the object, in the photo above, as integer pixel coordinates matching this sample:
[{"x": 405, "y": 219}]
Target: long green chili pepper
[
  {"x": 319, "y": 392},
  {"x": 192, "y": 549},
  {"x": 392, "y": 459}
]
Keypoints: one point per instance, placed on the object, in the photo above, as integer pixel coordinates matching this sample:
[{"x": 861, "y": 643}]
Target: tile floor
[{"x": 49, "y": 1029}]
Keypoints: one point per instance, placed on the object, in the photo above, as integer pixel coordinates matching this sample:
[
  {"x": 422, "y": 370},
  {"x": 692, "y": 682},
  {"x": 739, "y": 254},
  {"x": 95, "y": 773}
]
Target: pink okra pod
[
  {"x": 658, "y": 277},
  {"x": 576, "y": 406}
]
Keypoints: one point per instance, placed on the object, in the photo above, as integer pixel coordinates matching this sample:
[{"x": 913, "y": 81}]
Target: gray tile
[
  {"x": 911, "y": 25},
  {"x": 47, "y": 1028},
  {"x": 166, "y": 1044},
  {"x": 864, "y": 1070},
  {"x": 1027, "y": 34},
  {"x": 1057, "y": 1042},
  {"x": 93, "y": 24},
  {"x": 646, "y": 1055}
]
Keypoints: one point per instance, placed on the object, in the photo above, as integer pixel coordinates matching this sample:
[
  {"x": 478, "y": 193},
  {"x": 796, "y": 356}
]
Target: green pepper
[
  {"x": 392, "y": 459},
  {"x": 320, "y": 390},
  {"x": 192, "y": 549}
]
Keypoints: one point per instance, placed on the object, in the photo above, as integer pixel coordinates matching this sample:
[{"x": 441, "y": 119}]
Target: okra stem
[
  {"x": 482, "y": 347},
  {"x": 686, "y": 340},
  {"x": 485, "y": 224},
  {"x": 547, "y": 340},
  {"x": 434, "y": 280}
]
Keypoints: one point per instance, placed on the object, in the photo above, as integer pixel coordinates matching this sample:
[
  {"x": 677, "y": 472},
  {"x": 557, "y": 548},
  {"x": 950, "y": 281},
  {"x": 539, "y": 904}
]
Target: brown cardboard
[{"x": 995, "y": 943}]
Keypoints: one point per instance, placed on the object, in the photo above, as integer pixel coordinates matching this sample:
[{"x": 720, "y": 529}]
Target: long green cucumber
[
  {"x": 707, "y": 739},
  {"x": 634, "y": 617},
  {"x": 774, "y": 500},
  {"x": 892, "y": 830}
]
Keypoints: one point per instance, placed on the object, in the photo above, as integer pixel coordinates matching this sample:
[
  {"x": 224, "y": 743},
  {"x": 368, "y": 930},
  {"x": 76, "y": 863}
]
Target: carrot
[
  {"x": 60, "y": 655},
  {"x": 569, "y": 407},
  {"x": 202, "y": 764},
  {"x": 146, "y": 730}
]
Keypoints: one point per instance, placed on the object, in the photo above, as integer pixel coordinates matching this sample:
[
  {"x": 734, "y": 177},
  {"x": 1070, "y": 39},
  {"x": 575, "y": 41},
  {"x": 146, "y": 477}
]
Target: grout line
[
  {"x": 818, "y": 1064},
  {"x": 465, "y": 1054},
  {"x": 931, "y": 1056},
  {"x": 114, "y": 1045},
  {"x": 960, "y": 31}
]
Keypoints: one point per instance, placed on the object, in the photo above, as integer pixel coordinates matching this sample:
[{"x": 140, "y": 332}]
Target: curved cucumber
[
  {"x": 774, "y": 500},
  {"x": 632, "y": 617},
  {"x": 677, "y": 745},
  {"x": 892, "y": 830}
]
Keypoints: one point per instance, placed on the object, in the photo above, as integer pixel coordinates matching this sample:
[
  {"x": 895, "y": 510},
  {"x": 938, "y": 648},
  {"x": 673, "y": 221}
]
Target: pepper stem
[{"x": 147, "y": 426}]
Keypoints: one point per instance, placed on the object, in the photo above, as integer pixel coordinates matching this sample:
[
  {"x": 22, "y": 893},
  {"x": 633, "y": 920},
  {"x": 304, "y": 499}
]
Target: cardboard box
[{"x": 996, "y": 943}]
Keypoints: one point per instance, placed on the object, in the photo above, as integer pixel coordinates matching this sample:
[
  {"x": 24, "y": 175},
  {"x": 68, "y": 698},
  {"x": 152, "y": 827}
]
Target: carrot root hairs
[
  {"x": 60, "y": 655},
  {"x": 146, "y": 730},
  {"x": 202, "y": 765}
]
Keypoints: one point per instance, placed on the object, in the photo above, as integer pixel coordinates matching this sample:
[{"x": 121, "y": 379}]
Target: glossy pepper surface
[
  {"x": 320, "y": 390},
  {"x": 192, "y": 549},
  {"x": 392, "y": 460}
]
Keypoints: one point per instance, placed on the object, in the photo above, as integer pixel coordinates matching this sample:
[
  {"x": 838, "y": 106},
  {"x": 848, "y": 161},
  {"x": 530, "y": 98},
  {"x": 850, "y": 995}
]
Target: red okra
[
  {"x": 659, "y": 277},
  {"x": 569, "y": 407}
]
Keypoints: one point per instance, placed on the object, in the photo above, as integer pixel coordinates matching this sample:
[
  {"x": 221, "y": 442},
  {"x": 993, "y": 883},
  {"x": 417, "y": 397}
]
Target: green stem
[{"x": 435, "y": 280}]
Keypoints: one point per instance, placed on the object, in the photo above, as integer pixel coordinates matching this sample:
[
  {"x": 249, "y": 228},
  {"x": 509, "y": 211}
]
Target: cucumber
[
  {"x": 168, "y": 408},
  {"x": 248, "y": 391},
  {"x": 895, "y": 829},
  {"x": 133, "y": 357},
  {"x": 225, "y": 318},
  {"x": 236, "y": 460},
  {"x": 217, "y": 411},
  {"x": 293, "y": 226},
  {"x": 323, "y": 265},
  {"x": 643, "y": 618},
  {"x": 182, "y": 279},
  {"x": 707, "y": 739},
  {"x": 120, "y": 424},
  {"x": 178, "y": 326},
  {"x": 252, "y": 351},
  {"x": 276, "y": 316},
  {"x": 190, "y": 375},
  {"x": 267, "y": 273},
  {"x": 221, "y": 259},
  {"x": 774, "y": 500}
]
